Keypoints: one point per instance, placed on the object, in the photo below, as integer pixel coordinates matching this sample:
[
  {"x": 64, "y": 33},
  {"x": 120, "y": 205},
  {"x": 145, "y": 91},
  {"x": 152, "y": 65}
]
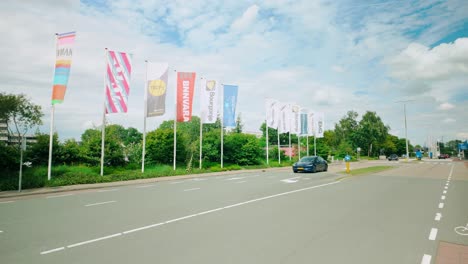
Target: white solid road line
[
  {"x": 186, "y": 217},
  {"x": 441, "y": 205},
  {"x": 100, "y": 203},
  {"x": 438, "y": 216},
  {"x": 426, "y": 259},
  {"x": 58, "y": 196},
  {"x": 193, "y": 189},
  {"x": 6, "y": 202},
  {"x": 433, "y": 234}
]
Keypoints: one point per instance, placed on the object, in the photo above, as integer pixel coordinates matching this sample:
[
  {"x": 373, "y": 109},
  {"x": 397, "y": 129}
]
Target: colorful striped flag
[
  {"x": 62, "y": 65},
  {"x": 119, "y": 69}
]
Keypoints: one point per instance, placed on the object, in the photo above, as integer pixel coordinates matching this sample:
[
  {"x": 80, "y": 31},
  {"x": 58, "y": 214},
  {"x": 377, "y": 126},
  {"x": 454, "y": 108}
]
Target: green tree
[
  {"x": 20, "y": 114},
  {"x": 160, "y": 146},
  {"x": 91, "y": 148},
  {"x": 70, "y": 152},
  {"x": 242, "y": 149},
  {"x": 346, "y": 129},
  {"x": 239, "y": 126},
  {"x": 370, "y": 133},
  {"x": 38, "y": 153}
]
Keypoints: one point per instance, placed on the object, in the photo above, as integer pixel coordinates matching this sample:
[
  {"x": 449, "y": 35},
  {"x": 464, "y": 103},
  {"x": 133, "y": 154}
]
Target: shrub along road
[{"x": 395, "y": 216}]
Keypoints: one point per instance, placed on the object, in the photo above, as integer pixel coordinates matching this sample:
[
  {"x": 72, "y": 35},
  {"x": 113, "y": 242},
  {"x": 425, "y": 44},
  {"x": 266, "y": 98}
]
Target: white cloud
[
  {"x": 449, "y": 120},
  {"x": 247, "y": 19},
  {"x": 446, "y": 106},
  {"x": 418, "y": 62},
  {"x": 337, "y": 68}
]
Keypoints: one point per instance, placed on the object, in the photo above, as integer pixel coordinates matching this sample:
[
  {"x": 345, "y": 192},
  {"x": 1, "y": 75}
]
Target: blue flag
[
  {"x": 229, "y": 105},
  {"x": 304, "y": 125}
]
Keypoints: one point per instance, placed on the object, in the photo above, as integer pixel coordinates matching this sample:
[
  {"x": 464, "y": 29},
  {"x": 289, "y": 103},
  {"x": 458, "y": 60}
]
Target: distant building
[{"x": 10, "y": 139}]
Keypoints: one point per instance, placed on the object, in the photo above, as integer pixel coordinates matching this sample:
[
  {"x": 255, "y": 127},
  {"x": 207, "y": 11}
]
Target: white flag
[
  {"x": 319, "y": 124},
  {"x": 272, "y": 110},
  {"x": 285, "y": 112},
  {"x": 209, "y": 101},
  {"x": 312, "y": 125},
  {"x": 295, "y": 119}
]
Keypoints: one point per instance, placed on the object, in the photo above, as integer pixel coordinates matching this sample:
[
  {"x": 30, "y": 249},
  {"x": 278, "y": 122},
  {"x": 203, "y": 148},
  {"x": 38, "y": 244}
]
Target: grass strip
[{"x": 363, "y": 171}]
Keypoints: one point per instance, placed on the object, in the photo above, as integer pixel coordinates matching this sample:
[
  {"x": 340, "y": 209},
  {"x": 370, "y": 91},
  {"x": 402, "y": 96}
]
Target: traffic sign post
[{"x": 347, "y": 159}]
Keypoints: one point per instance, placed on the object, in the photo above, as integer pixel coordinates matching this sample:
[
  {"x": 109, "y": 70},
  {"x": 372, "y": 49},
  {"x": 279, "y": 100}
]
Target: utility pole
[{"x": 406, "y": 127}]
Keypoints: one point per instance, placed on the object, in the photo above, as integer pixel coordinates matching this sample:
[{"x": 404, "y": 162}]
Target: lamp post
[{"x": 406, "y": 127}]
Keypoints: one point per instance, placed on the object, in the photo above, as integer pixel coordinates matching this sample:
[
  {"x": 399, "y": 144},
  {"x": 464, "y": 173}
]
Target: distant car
[
  {"x": 392, "y": 157},
  {"x": 444, "y": 156},
  {"x": 310, "y": 164}
]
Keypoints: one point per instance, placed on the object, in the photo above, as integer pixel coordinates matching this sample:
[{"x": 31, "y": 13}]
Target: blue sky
[{"x": 329, "y": 56}]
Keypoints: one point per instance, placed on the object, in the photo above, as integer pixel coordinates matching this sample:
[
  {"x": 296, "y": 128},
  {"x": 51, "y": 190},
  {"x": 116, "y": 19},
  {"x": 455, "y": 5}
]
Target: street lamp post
[{"x": 406, "y": 127}]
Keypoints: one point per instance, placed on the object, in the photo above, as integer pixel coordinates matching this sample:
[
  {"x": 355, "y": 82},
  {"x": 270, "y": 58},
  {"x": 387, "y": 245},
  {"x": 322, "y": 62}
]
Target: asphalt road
[{"x": 397, "y": 216}]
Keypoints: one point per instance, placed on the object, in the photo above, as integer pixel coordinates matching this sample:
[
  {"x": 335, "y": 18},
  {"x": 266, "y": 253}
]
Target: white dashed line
[
  {"x": 177, "y": 182},
  {"x": 445, "y": 191},
  {"x": 426, "y": 259},
  {"x": 193, "y": 189},
  {"x": 146, "y": 186},
  {"x": 438, "y": 217},
  {"x": 443, "y": 197},
  {"x": 446, "y": 187},
  {"x": 1, "y": 231},
  {"x": 433, "y": 234},
  {"x": 108, "y": 190},
  {"x": 52, "y": 250},
  {"x": 242, "y": 182},
  {"x": 186, "y": 217},
  {"x": 235, "y": 178},
  {"x": 441, "y": 205},
  {"x": 58, "y": 196},
  {"x": 94, "y": 204}
]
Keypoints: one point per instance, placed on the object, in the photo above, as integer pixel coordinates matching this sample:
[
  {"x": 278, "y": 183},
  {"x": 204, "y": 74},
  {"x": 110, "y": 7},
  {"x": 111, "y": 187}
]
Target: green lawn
[{"x": 368, "y": 170}]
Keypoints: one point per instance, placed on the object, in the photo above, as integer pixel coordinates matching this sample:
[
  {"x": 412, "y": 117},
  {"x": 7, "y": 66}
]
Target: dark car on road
[
  {"x": 392, "y": 157},
  {"x": 444, "y": 156},
  {"x": 310, "y": 164}
]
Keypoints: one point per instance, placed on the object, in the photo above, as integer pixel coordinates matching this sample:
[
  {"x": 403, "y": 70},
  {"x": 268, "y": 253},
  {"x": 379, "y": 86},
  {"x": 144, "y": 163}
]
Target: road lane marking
[
  {"x": 446, "y": 187},
  {"x": 235, "y": 178},
  {"x": 438, "y": 216},
  {"x": 443, "y": 197},
  {"x": 242, "y": 182},
  {"x": 176, "y": 182},
  {"x": 193, "y": 189},
  {"x": 426, "y": 259},
  {"x": 52, "y": 250},
  {"x": 291, "y": 180},
  {"x": 58, "y": 196},
  {"x": 186, "y": 217},
  {"x": 445, "y": 191},
  {"x": 433, "y": 234},
  {"x": 1, "y": 231},
  {"x": 146, "y": 186},
  {"x": 94, "y": 204},
  {"x": 108, "y": 190},
  {"x": 6, "y": 202},
  {"x": 441, "y": 205},
  {"x": 94, "y": 240},
  {"x": 198, "y": 179}
]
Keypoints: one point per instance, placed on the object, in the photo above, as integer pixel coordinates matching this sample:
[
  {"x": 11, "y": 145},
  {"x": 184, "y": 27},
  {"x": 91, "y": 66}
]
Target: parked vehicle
[
  {"x": 393, "y": 157},
  {"x": 310, "y": 164}
]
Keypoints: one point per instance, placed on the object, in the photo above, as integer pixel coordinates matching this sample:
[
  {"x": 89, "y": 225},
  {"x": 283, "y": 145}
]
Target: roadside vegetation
[{"x": 78, "y": 161}]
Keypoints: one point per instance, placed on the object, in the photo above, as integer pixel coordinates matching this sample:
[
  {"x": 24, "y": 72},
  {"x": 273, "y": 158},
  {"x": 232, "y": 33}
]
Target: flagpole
[
  {"x": 222, "y": 128},
  {"x": 51, "y": 133},
  {"x": 315, "y": 145},
  {"x": 145, "y": 113},
  {"x": 201, "y": 124},
  {"x": 266, "y": 131},
  {"x": 175, "y": 123},
  {"x": 307, "y": 137},
  {"x": 299, "y": 145},
  {"x": 279, "y": 156},
  {"x": 51, "y": 137},
  {"x": 103, "y": 128}
]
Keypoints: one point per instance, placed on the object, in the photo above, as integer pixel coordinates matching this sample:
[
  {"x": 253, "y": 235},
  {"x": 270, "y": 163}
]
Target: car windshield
[{"x": 308, "y": 159}]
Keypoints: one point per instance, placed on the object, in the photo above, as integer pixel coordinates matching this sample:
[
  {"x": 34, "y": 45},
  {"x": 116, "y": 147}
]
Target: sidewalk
[{"x": 82, "y": 187}]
